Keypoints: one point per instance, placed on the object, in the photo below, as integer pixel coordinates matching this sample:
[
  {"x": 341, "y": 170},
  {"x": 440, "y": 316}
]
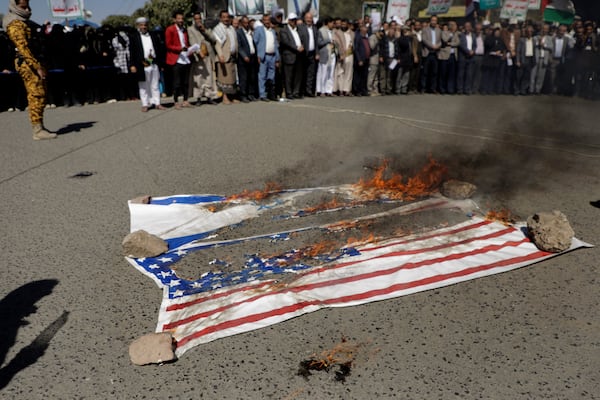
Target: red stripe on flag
[
  {"x": 420, "y": 238},
  {"x": 413, "y": 252},
  {"x": 354, "y": 278},
  {"x": 362, "y": 296},
  {"x": 180, "y": 306}
]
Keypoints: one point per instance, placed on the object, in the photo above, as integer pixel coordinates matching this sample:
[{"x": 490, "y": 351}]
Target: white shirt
[
  {"x": 432, "y": 36},
  {"x": 183, "y": 56},
  {"x": 311, "y": 38},
  {"x": 559, "y": 47},
  {"x": 250, "y": 40},
  {"x": 469, "y": 42},
  {"x": 270, "y": 41},
  {"x": 348, "y": 38},
  {"x": 529, "y": 47},
  {"x": 480, "y": 47},
  {"x": 232, "y": 39},
  {"x": 391, "y": 48},
  {"x": 148, "y": 46},
  {"x": 295, "y": 36}
]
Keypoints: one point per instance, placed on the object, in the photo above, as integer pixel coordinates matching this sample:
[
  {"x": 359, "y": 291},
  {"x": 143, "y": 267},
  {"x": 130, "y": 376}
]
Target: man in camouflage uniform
[{"x": 19, "y": 29}]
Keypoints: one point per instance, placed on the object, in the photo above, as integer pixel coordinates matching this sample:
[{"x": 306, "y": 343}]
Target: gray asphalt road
[{"x": 529, "y": 334}]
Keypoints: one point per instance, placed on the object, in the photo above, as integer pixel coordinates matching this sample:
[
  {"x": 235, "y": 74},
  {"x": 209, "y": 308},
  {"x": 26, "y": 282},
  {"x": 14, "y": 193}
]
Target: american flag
[{"x": 222, "y": 304}]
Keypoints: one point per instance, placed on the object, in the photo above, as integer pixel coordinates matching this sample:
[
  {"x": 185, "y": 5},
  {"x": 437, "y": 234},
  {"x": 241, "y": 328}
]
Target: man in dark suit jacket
[
  {"x": 387, "y": 55},
  {"x": 147, "y": 56},
  {"x": 292, "y": 52},
  {"x": 247, "y": 62},
  {"x": 466, "y": 60},
  {"x": 309, "y": 37},
  {"x": 362, "y": 56},
  {"x": 431, "y": 45}
]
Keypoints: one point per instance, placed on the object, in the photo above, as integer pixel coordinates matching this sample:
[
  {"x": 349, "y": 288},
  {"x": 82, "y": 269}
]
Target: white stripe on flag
[{"x": 473, "y": 249}]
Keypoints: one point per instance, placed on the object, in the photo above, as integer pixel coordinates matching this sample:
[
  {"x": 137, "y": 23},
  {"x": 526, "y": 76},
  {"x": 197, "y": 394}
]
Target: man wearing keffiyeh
[{"x": 27, "y": 64}]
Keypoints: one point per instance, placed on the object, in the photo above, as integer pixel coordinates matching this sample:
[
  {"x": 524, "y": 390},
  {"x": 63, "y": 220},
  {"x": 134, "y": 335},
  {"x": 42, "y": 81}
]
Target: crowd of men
[{"x": 243, "y": 60}]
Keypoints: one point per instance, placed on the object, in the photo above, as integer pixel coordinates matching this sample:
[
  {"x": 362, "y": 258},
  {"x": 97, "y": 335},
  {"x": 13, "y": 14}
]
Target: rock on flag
[{"x": 269, "y": 289}]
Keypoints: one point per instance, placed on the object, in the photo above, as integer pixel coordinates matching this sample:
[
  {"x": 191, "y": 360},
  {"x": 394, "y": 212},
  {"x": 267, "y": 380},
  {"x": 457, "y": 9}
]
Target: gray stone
[
  {"x": 140, "y": 244},
  {"x": 550, "y": 231},
  {"x": 153, "y": 348},
  {"x": 458, "y": 190},
  {"x": 141, "y": 200}
]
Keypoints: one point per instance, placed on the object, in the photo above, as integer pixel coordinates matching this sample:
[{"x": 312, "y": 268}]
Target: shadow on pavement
[
  {"x": 14, "y": 308},
  {"x": 75, "y": 127}
]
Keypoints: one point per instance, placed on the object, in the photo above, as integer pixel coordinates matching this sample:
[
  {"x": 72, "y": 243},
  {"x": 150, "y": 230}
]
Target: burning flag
[{"x": 278, "y": 263}]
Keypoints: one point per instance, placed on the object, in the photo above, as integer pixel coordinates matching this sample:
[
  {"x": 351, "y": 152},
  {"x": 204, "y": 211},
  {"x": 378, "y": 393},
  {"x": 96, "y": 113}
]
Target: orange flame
[
  {"x": 342, "y": 226},
  {"x": 504, "y": 216},
  {"x": 425, "y": 182},
  {"x": 323, "y": 247},
  {"x": 270, "y": 189},
  {"x": 328, "y": 205},
  {"x": 364, "y": 240}
]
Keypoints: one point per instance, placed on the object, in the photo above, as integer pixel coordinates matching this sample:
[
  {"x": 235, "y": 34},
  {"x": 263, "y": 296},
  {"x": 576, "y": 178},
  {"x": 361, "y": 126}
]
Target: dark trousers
[
  {"x": 414, "y": 80},
  {"x": 489, "y": 79},
  {"x": 360, "y": 79},
  {"x": 477, "y": 72},
  {"x": 509, "y": 78},
  {"x": 429, "y": 75},
  {"x": 464, "y": 78},
  {"x": 447, "y": 75},
  {"x": 292, "y": 75},
  {"x": 524, "y": 75},
  {"x": 181, "y": 76},
  {"x": 248, "y": 76},
  {"x": 311, "y": 74}
]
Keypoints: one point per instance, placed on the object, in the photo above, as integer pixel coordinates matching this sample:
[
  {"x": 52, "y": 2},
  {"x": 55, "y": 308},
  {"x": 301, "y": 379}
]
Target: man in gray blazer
[
  {"x": 309, "y": 36},
  {"x": 544, "y": 50},
  {"x": 525, "y": 62},
  {"x": 431, "y": 45},
  {"x": 466, "y": 60},
  {"x": 327, "y": 58}
]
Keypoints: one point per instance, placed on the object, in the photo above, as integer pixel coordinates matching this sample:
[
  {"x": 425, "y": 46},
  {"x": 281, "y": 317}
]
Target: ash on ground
[{"x": 324, "y": 225}]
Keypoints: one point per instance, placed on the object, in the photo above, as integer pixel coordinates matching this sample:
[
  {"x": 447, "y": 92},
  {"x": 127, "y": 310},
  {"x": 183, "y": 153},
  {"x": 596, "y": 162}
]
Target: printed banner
[
  {"x": 515, "y": 10},
  {"x": 399, "y": 9},
  {"x": 489, "y": 4},
  {"x": 535, "y": 4},
  {"x": 301, "y": 7},
  {"x": 376, "y": 11},
  {"x": 246, "y": 7},
  {"x": 66, "y": 8},
  {"x": 438, "y": 7}
]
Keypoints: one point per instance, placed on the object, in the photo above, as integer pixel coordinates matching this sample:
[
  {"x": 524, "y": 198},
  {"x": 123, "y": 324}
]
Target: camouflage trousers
[{"x": 36, "y": 93}]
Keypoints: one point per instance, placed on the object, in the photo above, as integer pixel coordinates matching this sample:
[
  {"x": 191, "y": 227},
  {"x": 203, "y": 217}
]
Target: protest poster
[
  {"x": 399, "y": 9},
  {"x": 376, "y": 11},
  {"x": 66, "y": 8},
  {"x": 489, "y": 4},
  {"x": 515, "y": 10},
  {"x": 438, "y": 7},
  {"x": 534, "y": 4},
  {"x": 301, "y": 7}
]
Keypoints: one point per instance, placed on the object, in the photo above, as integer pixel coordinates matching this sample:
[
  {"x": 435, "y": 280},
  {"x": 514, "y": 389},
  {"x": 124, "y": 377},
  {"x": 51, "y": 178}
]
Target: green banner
[
  {"x": 489, "y": 4},
  {"x": 560, "y": 16}
]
